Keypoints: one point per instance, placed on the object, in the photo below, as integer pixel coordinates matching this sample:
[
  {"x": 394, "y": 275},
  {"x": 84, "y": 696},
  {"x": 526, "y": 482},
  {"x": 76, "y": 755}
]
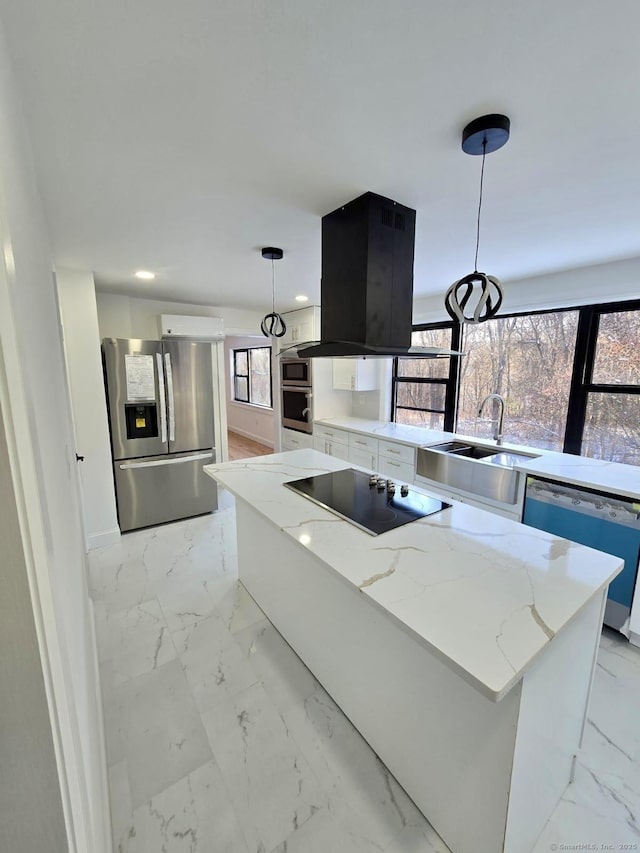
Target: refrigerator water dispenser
[{"x": 141, "y": 420}]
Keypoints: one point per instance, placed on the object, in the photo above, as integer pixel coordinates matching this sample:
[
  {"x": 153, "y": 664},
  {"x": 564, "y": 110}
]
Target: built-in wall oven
[
  {"x": 297, "y": 408},
  {"x": 295, "y": 372}
]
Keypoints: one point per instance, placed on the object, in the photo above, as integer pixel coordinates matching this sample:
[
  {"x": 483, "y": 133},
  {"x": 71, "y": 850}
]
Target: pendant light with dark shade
[
  {"x": 482, "y": 136},
  {"x": 272, "y": 324}
]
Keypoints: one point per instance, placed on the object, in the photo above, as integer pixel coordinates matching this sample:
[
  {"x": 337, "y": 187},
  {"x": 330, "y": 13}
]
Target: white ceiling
[{"x": 183, "y": 136}]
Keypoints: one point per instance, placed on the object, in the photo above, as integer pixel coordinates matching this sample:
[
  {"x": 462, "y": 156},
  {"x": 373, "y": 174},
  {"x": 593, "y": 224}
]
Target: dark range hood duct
[{"x": 367, "y": 282}]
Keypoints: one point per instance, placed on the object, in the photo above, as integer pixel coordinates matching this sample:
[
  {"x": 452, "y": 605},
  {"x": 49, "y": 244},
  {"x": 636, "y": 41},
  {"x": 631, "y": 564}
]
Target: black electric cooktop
[{"x": 366, "y": 500}]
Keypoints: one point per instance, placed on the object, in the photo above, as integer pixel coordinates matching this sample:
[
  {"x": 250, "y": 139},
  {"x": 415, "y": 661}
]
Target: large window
[
  {"x": 605, "y": 411},
  {"x": 528, "y": 360},
  {"x": 252, "y": 376},
  {"x": 424, "y": 389},
  {"x": 570, "y": 379}
]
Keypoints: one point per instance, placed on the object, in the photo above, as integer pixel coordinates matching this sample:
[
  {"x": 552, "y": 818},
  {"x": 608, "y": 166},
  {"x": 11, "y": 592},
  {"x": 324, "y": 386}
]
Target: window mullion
[
  {"x": 583, "y": 357},
  {"x": 453, "y": 387}
]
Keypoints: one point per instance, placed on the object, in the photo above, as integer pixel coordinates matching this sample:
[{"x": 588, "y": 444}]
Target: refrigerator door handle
[
  {"x": 163, "y": 405},
  {"x": 159, "y": 462},
  {"x": 172, "y": 411}
]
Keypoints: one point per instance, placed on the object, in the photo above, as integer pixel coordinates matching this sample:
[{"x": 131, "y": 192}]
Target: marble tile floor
[{"x": 219, "y": 740}]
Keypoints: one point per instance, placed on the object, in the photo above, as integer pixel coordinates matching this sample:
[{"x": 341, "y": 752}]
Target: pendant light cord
[
  {"x": 484, "y": 154},
  {"x": 272, "y": 325},
  {"x": 273, "y": 286}
]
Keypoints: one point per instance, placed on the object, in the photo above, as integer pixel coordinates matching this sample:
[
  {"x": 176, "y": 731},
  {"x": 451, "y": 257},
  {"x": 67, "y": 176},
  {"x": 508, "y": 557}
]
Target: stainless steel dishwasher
[{"x": 609, "y": 523}]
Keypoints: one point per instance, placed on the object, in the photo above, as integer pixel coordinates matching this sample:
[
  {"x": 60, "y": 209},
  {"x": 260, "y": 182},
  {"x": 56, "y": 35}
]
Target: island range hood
[{"x": 367, "y": 283}]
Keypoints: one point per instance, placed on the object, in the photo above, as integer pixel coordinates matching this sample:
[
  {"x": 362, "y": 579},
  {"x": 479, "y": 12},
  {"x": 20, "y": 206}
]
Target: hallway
[
  {"x": 219, "y": 740},
  {"x": 241, "y": 447}
]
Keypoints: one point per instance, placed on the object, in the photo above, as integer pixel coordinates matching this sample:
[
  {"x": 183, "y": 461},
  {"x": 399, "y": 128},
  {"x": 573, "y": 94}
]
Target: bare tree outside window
[
  {"x": 420, "y": 385},
  {"x": 528, "y": 360},
  {"x": 612, "y": 415},
  {"x": 570, "y": 380},
  {"x": 612, "y": 428},
  {"x": 617, "y": 360}
]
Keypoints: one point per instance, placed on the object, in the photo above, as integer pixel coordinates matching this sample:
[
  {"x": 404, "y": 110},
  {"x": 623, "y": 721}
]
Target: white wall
[
  {"x": 129, "y": 317},
  {"x": 31, "y": 814},
  {"x": 76, "y": 293},
  {"x": 36, "y": 413},
  {"x": 250, "y": 421},
  {"x": 610, "y": 282}
]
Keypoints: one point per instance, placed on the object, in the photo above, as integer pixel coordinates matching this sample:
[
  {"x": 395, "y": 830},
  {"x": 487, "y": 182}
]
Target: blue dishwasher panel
[{"x": 604, "y": 522}]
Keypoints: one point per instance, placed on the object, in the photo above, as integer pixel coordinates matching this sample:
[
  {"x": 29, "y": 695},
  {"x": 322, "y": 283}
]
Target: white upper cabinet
[
  {"x": 355, "y": 374},
  {"x": 302, "y": 325}
]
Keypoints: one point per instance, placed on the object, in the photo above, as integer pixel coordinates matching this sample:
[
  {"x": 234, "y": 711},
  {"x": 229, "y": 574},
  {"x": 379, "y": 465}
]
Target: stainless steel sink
[
  {"x": 509, "y": 458},
  {"x": 471, "y": 451},
  {"x": 475, "y": 468}
]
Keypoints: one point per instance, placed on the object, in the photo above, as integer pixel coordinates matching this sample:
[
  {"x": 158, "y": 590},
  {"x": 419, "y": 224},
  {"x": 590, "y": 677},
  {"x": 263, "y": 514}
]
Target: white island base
[{"x": 486, "y": 774}]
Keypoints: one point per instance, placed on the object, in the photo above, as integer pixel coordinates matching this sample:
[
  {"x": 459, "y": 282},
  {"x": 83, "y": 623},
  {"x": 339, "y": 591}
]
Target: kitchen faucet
[{"x": 497, "y": 436}]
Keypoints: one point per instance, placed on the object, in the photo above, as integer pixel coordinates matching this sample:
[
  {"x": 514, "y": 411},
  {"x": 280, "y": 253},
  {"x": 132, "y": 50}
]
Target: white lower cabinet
[
  {"x": 400, "y": 471},
  {"x": 397, "y": 460},
  {"x": 363, "y": 451},
  {"x": 331, "y": 447},
  {"x": 340, "y": 436},
  {"x": 364, "y": 458},
  {"x": 291, "y": 439}
]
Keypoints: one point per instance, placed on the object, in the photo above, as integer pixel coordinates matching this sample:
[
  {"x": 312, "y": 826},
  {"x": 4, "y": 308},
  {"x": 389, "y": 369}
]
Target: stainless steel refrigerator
[{"x": 160, "y": 402}]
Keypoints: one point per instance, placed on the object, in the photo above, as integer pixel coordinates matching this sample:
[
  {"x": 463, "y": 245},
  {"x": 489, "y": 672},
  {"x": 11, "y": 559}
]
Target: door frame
[{"x": 23, "y": 460}]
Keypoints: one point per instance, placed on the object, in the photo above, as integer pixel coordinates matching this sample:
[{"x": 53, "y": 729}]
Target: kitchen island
[
  {"x": 462, "y": 645},
  {"x": 394, "y": 449}
]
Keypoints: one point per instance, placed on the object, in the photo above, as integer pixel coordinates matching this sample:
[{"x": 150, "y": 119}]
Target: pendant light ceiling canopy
[
  {"x": 272, "y": 324},
  {"x": 482, "y": 136}
]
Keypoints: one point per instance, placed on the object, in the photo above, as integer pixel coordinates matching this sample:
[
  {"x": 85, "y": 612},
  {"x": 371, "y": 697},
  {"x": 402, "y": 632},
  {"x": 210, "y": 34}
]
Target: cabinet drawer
[
  {"x": 363, "y": 458},
  {"x": 402, "y": 472},
  {"x": 340, "y": 451},
  {"x": 330, "y": 447},
  {"x": 322, "y": 431},
  {"x": 363, "y": 442},
  {"x": 399, "y": 452},
  {"x": 292, "y": 440},
  {"x": 319, "y": 444}
]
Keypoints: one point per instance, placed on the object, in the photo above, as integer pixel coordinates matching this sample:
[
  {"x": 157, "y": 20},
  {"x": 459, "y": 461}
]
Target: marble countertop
[
  {"x": 485, "y": 594},
  {"x": 565, "y": 467}
]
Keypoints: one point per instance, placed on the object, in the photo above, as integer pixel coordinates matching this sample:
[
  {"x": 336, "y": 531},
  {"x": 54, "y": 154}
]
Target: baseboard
[
  {"x": 246, "y": 434},
  {"x": 103, "y": 538},
  {"x": 634, "y": 638}
]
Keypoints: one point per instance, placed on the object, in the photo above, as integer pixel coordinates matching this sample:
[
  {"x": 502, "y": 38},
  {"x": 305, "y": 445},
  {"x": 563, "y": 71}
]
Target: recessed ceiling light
[
  {"x": 302, "y": 298},
  {"x": 145, "y": 275}
]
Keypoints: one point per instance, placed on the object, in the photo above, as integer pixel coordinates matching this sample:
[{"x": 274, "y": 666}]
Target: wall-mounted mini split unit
[{"x": 192, "y": 328}]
